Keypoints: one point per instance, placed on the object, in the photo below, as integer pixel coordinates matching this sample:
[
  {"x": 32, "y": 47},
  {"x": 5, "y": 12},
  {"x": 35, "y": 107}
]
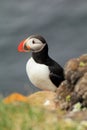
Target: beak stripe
[{"x": 21, "y": 46}]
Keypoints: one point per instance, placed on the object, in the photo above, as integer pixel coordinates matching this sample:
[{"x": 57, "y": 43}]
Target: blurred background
[{"x": 63, "y": 23}]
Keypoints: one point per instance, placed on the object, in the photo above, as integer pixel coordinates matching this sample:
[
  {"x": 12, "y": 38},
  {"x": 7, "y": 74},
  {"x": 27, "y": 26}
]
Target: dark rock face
[
  {"x": 74, "y": 88},
  {"x": 81, "y": 89}
]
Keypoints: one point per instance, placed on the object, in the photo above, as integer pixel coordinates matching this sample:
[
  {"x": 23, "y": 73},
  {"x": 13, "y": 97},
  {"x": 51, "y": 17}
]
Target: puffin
[{"x": 42, "y": 71}]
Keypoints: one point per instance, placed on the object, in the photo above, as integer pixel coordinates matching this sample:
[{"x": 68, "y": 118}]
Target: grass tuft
[{"x": 22, "y": 116}]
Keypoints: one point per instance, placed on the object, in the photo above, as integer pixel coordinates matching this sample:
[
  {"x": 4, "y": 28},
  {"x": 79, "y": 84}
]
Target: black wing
[
  {"x": 56, "y": 73},
  {"x": 56, "y": 79}
]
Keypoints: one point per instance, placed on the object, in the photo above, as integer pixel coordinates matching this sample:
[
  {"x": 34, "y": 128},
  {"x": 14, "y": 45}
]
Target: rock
[
  {"x": 15, "y": 97},
  {"x": 81, "y": 89},
  {"x": 64, "y": 94},
  {"x": 74, "y": 88},
  {"x": 66, "y": 97},
  {"x": 83, "y": 58},
  {"x": 79, "y": 116},
  {"x": 75, "y": 68},
  {"x": 43, "y": 99},
  {"x": 71, "y": 71}
]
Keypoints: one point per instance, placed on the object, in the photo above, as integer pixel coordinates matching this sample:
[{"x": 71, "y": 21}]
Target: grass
[{"x": 22, "y": 116}]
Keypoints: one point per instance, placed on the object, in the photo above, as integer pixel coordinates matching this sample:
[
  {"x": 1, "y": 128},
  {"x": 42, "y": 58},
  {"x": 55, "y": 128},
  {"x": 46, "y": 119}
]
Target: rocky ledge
[{"x": 72, "y": 92}]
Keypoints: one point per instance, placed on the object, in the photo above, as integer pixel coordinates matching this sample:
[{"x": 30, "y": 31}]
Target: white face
[{"x": 35, "y": 44}]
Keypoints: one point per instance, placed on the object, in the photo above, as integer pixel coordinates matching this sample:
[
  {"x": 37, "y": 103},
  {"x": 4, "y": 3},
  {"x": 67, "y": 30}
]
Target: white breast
[{"x": 39, "y": 75}]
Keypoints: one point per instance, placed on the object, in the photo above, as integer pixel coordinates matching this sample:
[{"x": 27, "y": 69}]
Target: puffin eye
[{"x": 33, "y": 42}]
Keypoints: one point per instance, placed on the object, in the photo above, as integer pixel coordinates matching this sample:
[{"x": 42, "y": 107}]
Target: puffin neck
[{"x": 40, "y": 57}]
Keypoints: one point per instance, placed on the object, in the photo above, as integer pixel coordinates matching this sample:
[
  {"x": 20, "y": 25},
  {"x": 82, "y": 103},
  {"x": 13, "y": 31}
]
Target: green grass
[{"x": 22, "y": 116}]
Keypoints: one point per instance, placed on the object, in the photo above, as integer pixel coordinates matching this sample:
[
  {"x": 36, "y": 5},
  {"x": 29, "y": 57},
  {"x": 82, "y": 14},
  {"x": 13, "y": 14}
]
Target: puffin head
[{"x": 34, "y": 43}]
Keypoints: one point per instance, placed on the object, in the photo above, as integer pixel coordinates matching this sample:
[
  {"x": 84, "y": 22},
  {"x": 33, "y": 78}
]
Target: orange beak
[{"x": 21, "y": 47}]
